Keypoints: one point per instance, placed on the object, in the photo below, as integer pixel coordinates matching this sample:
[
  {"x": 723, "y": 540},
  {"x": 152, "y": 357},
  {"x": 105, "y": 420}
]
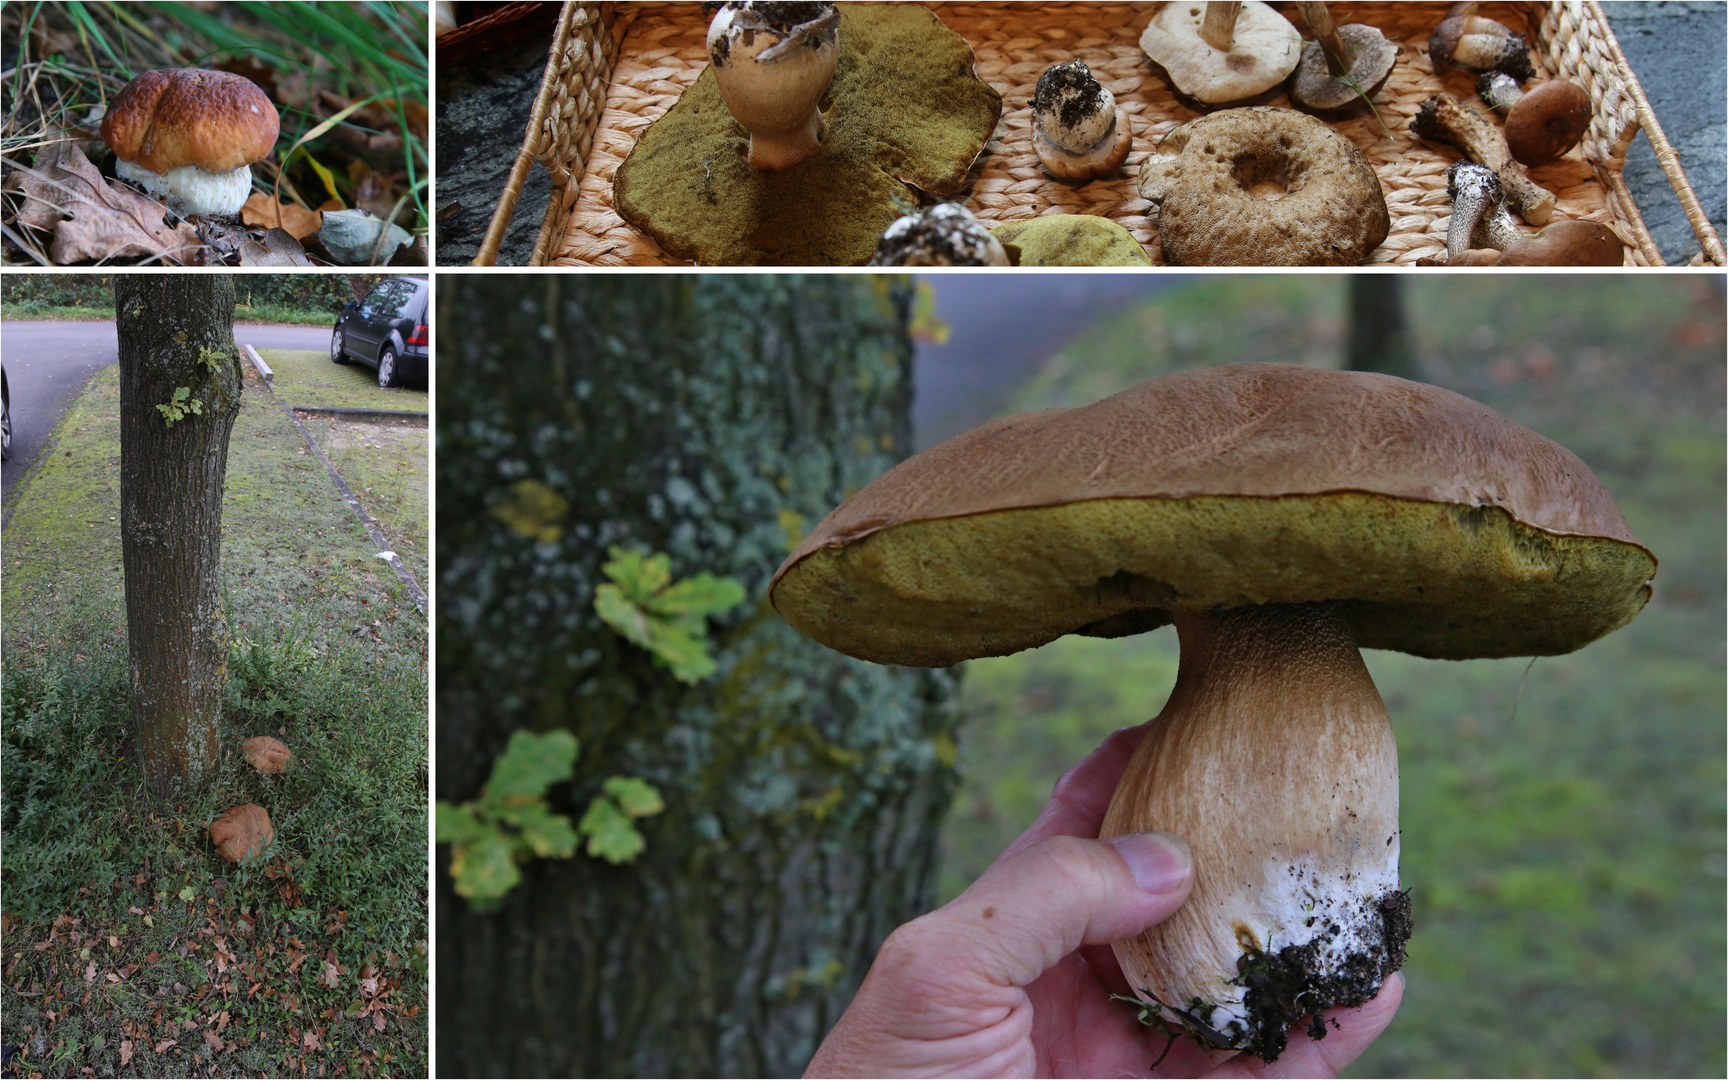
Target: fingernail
[{"x": 1159, "y": 862}]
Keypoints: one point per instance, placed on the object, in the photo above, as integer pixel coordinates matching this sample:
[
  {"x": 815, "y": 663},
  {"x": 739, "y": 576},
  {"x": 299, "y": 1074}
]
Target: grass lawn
[
  {"x": 130, "y": 948},
  {"x": 1566, "y": 865},
  {"x": 312, "y": 378},
  {"x": 259, "y": 313}
]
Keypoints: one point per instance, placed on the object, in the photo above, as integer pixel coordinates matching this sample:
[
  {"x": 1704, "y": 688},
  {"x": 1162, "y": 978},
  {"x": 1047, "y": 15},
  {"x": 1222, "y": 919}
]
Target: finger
[
  {"x": 1348, "y": 1033},
  {"x": 1028, "y": 911},
  {"x": 1077, "y": 805}
]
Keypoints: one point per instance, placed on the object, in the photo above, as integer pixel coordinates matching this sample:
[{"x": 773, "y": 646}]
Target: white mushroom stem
[
  {"x": 1443, "y": 119},
  {"x": 772, "y": 79},
  {"x": 191, "y": 191},
  {"x": 1218, "y": 29},
  {"x": 1479, "y": 217},
  {"x": 1275, "y": 760}
]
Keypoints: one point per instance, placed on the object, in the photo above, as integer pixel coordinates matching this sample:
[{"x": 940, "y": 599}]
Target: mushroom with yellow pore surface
[{"x": 1282, "y": 518}]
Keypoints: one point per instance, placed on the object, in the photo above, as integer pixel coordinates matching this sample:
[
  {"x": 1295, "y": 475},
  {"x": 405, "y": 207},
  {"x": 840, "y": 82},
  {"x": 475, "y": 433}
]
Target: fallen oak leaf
[
  {"x": 100, "y": 219},
  {"x": 125, "y": 1052},
  {"x": 213, "y": 1040},
  {"x": 295, "y": 220},
  {"x": 278, "y": 249},
  {"x": 162, "y": 1047}
]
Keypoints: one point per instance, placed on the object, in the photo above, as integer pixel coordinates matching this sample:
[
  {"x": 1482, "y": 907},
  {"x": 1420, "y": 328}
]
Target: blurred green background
[{"x": 1563, "y": 821}]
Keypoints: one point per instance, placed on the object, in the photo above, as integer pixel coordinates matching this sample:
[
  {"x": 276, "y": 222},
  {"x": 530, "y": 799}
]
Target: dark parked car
[
  {"x": 5, "y": 419},
  {"x": 388, "y": 329}
]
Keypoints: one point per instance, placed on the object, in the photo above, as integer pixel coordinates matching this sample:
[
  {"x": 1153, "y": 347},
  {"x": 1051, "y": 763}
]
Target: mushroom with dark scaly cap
[
  {"x": 1467, "y": 40},
  {"x": 946, "y": 234},
  {"x": 191, "y": 135},
  {"x": 1282, "y": 518},
  {"x": 1078, "y": 130}
]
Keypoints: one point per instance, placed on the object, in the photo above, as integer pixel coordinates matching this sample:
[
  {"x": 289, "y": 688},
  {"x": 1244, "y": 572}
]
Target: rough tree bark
[
  {"x": 715, "y": 419},
  {"x": 176, "y": 334},
  {"x": 1379, "y": 331}
]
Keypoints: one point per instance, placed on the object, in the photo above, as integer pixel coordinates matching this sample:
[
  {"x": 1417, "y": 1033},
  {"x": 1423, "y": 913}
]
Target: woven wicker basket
[{"x": 615, "y": 67}]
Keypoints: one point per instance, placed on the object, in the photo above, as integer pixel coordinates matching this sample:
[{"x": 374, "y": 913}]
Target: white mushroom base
[
  {"x": 191, "y": 191},
  {"x": 1275, "y": 760}
]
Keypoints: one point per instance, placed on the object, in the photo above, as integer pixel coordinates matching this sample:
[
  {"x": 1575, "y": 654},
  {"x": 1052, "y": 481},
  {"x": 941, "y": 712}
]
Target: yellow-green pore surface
[
  {"x": 904, "y": 108},
  {"x": 1070, "y": 240},
  {"x": 1433, "y": 579}
]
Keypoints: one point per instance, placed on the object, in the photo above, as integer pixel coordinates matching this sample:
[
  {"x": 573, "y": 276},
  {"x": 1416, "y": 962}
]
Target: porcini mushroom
[
  {"x": 192, "y": 136},
  {"x": 1343, "y": 66},
  {"x": 1217, "y": 53},
  {"x": 266, "y": 754},
  {"x": 1541, "y": 123},
  {"x": 1282, "y": 517},
  {"x": 1079, "y": 132},
  {"x": 772, "y": 60},
  {"x": 946, "y": 234},
  {"x": 242, "y": 832},
  {"x": 1560, "y": 243},
  {"x": 1479, "y": 217},
  {"x": 1442, "y": 118},
  {"x": 1468, "y": 40}
]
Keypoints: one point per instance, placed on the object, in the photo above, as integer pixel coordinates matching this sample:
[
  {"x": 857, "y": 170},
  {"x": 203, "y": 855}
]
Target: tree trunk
[
  {"x": 1379, "y": 332},
  {"x": 176, "y": 333},
  {"x": 715, "y": 419}
]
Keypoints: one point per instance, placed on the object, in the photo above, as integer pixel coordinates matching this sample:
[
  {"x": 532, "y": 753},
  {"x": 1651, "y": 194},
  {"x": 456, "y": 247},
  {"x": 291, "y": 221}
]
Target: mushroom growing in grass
[
  {"x": 1218, "y": 53},
  {"x": 772, "y": 61},
  {"x": 1079, "y": 131},
  {"x": 1345, "y": 65},
  {"x": 242, "y": 832},
  {"x": 946, "y": 234},
  {"x": 1282, "y": 518},
  {"x": 1541, "y": 123},
  {"x": 266, "y": 754},
  {"x": 192, "y": 136},
  {"x": 1442, "y": 118}
]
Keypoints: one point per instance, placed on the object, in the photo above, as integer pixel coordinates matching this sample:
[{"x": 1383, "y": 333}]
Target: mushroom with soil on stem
[
  {"x": 1442, "y": 118},
  {"x": 1479, "y": 217},
  {"x": 772, "y": 62},
  {"x": 191, "y": 135},
  {"x": 1282, "y": 518},
  {"x": 1079, "y": 132},
  {"x": 1541, "y": 123},
  {"x": 1465, "y": 39},
  {"x": 1218, "y": 53},
  {"x": 946, "y": 234},
  {"x": 1345, "y": 65}
]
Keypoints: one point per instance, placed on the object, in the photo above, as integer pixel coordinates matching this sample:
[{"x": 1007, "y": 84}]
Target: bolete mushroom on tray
[{"x": 1282, "y": 518}]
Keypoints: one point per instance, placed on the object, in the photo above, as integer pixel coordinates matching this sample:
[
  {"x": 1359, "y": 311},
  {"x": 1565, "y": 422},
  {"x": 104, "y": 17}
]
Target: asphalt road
[{"x": 47, "y": 363}]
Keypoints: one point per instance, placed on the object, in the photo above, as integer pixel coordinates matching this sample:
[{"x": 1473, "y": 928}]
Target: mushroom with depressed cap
[
  {"x": 191, "y": 135},
  {"x": 772, "y": 60},
  {"x": 1218, "y": 53},
  {"x": 946, "y": 234},
  {"x": 1078, "y": 130},
  {"x": 242, "y": 832},
  {"x": 1343, "y": 66},
  {"x": 1282, "y": 518},
  {"x": 266, "y": 754}
]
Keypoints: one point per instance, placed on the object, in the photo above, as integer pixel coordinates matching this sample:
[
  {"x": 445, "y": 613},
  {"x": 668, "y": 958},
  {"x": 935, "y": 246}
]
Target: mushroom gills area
[
  {"x": 192, "y": 191},
  {"x": 1275, "y": 760}
]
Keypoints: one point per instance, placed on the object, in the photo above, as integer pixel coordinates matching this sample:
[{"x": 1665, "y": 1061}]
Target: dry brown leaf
[
  {"x": 111, "y": 977},
  {"x": 295, "y": 959},
  {"x": 113, "y": 942},
  {"x": 296, "y": 220},
  {"x": 162, "y": 1047},
  {"x": 99, "y": 219},
  {"x": 125, "y": 1052},
  {"x": 377, "y": 1021},
  {"x": 90, "y": 972},
  {"x": 278, "y": 249},
  {"x": 331, "y": 974},
  {"x": 308, "y": 1040},
  {"x": 212, "y": 1040}
]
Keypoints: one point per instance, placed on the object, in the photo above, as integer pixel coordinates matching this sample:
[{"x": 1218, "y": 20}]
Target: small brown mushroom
[
  {"x": 1217, "y": 53},
  {"x": 1567, "y": 243},
  {"x": 1079, "y": 132},
  {"x": 1468, "y": 40},
  {"x": 267, "y": 755},
  {"x": 1345, "y": 65},
  {"x": 192, "y": 136},
  {"x": 1542, "y": 122},
  {"x": 1443, "y": 119},
  {"x": 242, "y": 833}
]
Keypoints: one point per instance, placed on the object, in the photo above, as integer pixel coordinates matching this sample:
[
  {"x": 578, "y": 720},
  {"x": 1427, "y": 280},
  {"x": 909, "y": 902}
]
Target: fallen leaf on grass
[
  {"x": 90, "y": 972},
  {"x": 331, "y": 974},
  {"x": 378, "y": 1021},
  {"x": 162, "y": 1047},
  {"x": 111, "y": 977},
  {"x": 295, "y": 959},
  {"x": 296, "y": 220},
  {"x": 212, "y": 1040},
  {"x": 125, "y": 1053},
  {"x": 94, "y": 218},
  {"x": 309, "y": 1040}
]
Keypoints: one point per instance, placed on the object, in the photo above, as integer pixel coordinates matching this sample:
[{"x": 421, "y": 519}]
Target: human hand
[{"x": 1014, "y": 977}]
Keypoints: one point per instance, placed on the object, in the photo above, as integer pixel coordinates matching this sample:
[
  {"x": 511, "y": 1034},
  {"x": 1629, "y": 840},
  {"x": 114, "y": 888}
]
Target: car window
[{"x": 394, "y": 299}]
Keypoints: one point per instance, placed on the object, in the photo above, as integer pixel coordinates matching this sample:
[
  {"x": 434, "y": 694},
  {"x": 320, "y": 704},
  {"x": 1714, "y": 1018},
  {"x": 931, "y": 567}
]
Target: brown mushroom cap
[
  {"x": 1439, "y": 527},
  {"x": 1567, "y": 243},
  {"x": 211, "y": 120},
  {"x": 266, "y": 754},
  {"x": 242, "y": 832},
  {"x": 1372, "y": 58},
  {"x": 1547, "y": 121}
]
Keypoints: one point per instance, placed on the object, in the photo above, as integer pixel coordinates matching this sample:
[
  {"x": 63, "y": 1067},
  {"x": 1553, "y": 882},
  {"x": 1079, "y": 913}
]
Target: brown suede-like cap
[
  {"x": 242, "y": 832},
  {"x": 1440, "y": 527},
  {"x": 212, "y": 120}
]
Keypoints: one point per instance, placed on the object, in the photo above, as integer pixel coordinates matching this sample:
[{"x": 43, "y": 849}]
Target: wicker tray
[{"x": 615, "y": 67}]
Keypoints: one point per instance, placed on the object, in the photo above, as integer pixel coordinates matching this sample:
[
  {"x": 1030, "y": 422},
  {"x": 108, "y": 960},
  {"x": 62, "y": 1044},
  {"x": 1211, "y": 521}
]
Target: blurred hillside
[{"x": 1566, "y": 862}]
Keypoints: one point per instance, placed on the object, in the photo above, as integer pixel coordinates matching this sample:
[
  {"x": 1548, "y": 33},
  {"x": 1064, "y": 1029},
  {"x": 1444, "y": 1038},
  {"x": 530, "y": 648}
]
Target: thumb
[{"x": 1028, "y": 911}]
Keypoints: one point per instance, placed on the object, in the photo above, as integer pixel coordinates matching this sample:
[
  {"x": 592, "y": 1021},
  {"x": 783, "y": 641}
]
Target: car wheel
[
  {"x": 388, "y": 376},
  {"x": 338, "y": 352}
]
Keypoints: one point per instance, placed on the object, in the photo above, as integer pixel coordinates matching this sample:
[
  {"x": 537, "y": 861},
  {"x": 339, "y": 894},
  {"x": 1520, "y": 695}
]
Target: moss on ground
[{"x": 312, "y": 378}]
